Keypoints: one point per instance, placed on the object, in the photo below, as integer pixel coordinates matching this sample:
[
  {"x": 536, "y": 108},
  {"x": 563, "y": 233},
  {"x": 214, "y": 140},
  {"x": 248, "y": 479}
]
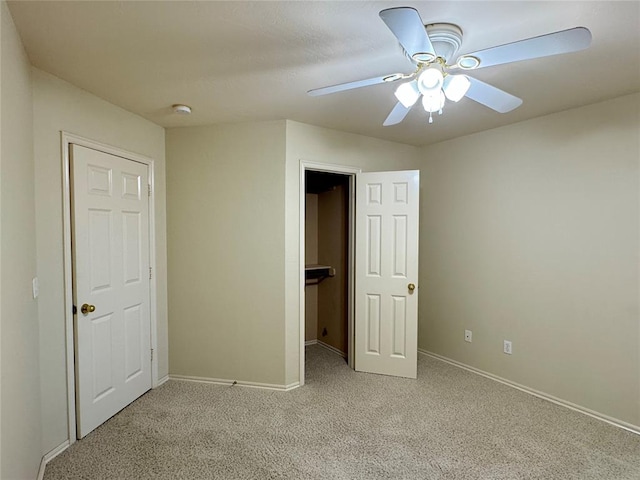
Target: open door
[{"x": 386, "y": 303}]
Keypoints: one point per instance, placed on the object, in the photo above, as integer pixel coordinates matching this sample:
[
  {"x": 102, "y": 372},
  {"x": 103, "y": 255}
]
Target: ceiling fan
[{"x": 431, "y": 47}]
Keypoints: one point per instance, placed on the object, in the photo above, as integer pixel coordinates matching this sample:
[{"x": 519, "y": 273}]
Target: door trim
[
  {"x": 66, "y": 140},
  {"x": 351, "y": 172}
]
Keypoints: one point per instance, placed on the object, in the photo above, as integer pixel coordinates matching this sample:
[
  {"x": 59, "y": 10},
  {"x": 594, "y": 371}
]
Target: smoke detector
[{"x": 181, "y": 109}]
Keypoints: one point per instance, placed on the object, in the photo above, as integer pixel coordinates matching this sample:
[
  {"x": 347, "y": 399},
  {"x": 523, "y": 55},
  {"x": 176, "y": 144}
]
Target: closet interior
[{"x": 327, "y": 260}]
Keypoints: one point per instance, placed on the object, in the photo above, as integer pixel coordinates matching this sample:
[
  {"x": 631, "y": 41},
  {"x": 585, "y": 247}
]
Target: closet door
[
  {"x": 386, "y": 290},
  {"x": 111, "y": 283}
]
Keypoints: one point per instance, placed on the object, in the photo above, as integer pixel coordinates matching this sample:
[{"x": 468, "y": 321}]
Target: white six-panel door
[
  {"x": 110, "y": 212},
  {"x": 386, "y": 287}
]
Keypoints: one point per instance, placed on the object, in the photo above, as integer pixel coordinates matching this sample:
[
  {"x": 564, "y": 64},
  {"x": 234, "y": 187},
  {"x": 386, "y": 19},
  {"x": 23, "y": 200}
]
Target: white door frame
[
  {"x": 66, "y": 140},
  {"x": 351, "y": 172}
]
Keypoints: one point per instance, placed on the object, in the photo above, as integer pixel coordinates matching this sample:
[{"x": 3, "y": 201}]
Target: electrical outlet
[
  {"x": 507, "y": 347},
  {"x": 468, "y": 336}
]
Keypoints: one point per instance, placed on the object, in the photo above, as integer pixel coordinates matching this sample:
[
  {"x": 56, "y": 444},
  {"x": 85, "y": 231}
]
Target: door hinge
[
  {"x": 152, "y": 354},
  {"x": 149, "y": 185},
  {"x": 150, "y": 273}
]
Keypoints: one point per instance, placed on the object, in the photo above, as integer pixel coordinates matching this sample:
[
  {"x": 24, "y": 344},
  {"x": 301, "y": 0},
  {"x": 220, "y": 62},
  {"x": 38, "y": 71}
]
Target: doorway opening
[
  {"x": 383, "y": 305},
  {"x": 327, "y": 257},
  {"x": 326, "y": 261}
]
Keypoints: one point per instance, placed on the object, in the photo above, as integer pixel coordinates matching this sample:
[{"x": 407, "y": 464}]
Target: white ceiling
[{"x": 240, "y": 61}]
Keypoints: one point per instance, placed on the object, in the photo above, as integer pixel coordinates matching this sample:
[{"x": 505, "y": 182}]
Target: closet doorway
[
  {"x": 328, "y": 259},
  {"x": 381, "y": 284}
]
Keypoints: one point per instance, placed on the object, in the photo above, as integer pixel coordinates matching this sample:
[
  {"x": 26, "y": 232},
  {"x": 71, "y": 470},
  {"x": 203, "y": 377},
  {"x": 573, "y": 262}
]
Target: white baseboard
[
  {"x": 536, "y": 393},
  {"x": 162, "y": 380},
  {"x": 50, "y": 456},
  {"x": 310, "y": 342},
  {"x": 238, "y": 383},
  {"x": 333, "y": 349}
]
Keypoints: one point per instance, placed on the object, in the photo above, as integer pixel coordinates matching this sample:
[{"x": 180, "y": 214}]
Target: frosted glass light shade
[
  {"x": 455, "y": 87},
  {"x": 430, "y": 81},
  {"x": 433, "y": 102},
  {"x": 408, "y": 93}
]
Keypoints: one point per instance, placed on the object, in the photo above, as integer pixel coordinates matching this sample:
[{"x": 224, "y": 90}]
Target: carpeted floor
[{"x": 449, "y": 424}]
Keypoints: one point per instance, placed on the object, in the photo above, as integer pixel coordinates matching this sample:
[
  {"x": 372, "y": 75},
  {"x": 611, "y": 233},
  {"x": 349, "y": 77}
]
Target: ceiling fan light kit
[
  {"x": 408, "y": 93},
  {"x": 431, "y": 48},
  {"x": 455, "y": 87},
  {"x": 433, "y": 103},
  {"x": 430, "y": 80}
]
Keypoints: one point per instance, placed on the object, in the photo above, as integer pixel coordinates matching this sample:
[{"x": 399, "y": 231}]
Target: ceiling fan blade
[
  {"x": 492, "y": 97},
  {"x": 565, "y": 41},
  {"x": 407, "y": 26},
  {"x": 357, "y": 84},
  {"x": 397, "y": 115}
]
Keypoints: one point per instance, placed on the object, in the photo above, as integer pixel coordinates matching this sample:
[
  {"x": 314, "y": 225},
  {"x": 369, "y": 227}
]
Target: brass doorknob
[
  {"x": 86, "y": 309},
  {"x": 411, "y": 287}
]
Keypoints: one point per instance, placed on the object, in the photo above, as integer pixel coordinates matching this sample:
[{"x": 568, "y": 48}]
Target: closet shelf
[{"x": 318, "y": 272}]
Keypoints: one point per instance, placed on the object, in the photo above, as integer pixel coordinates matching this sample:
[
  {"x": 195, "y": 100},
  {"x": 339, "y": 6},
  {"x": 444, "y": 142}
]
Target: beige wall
[
  {"x": 321, "y": 145},
  {"x": 232, "y": 178},
  {"x": 20, "y": 411},
  {"x": 311, "y": 257},
  {"x": 226, "y": 251},
  {"x": 3, "y": 9},
  {"x": 59, "y": 106},
  {"x": 530, "y": 233}
]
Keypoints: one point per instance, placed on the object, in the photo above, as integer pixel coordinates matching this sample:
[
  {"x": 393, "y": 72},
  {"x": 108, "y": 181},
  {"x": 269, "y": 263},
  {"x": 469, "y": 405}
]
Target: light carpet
[{"x": 448, "y": 424}]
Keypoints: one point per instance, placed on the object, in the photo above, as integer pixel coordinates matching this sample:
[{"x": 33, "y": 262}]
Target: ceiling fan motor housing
[{"x": 446, "y": 39}]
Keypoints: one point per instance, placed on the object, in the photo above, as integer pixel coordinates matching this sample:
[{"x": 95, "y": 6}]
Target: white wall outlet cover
[
  {"x": 468, "y": 336},
  {"x": 507, "y": 347}
]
